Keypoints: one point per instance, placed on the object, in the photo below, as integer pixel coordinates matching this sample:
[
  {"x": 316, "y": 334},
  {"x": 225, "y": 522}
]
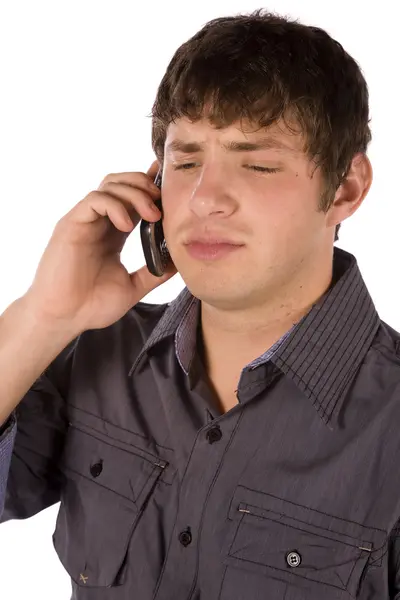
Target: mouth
[{"x": 210, "y": 251}]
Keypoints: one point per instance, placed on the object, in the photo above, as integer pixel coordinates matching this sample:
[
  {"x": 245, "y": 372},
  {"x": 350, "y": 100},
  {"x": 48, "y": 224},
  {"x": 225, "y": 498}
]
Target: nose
[{"x": 211, "y": 193}]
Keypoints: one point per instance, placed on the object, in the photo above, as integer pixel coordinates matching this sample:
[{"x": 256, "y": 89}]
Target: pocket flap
[
  {"x": 106, "y": 488},
  {"x": 290, "y": 541},
  {"x": 118, "y": 467}
]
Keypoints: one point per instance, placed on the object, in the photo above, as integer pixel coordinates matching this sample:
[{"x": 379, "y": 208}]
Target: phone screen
[{"x": 153, "y": 242}]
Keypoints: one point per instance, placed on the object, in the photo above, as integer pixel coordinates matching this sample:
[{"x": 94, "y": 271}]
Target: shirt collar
[{"x": 321, "y": 353}]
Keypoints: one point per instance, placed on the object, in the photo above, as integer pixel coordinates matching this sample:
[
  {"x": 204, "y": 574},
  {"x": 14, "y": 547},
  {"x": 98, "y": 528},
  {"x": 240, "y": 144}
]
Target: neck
[{"x": 233, "y": 338}]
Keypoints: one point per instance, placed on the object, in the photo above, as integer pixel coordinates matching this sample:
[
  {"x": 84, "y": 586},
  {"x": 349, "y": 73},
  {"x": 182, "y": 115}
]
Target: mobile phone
[{"x": 153, "y": 242}]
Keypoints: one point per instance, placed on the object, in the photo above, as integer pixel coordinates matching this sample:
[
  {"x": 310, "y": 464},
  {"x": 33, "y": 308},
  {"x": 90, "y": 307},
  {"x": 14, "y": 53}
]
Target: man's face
[{"x": 211, "y": 190}]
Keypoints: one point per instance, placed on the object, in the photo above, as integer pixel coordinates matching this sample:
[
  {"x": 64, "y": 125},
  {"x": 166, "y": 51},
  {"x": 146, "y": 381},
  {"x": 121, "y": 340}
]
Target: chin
[{"x": 217, "y": 291}]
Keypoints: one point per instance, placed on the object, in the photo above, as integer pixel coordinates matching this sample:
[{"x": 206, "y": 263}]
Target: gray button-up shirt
[{"x": 292, "y": 494}]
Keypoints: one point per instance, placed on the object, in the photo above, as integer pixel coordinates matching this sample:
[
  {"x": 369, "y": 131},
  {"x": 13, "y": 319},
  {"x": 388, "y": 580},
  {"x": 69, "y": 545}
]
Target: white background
[{"x": 78, "y": 80}]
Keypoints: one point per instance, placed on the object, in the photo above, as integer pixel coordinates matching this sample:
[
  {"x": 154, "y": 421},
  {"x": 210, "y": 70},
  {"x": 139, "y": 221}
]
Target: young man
[{"x": 239, "y": 443}]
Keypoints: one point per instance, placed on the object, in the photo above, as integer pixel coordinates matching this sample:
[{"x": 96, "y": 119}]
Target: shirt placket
[{"x": 178, "y": 578}]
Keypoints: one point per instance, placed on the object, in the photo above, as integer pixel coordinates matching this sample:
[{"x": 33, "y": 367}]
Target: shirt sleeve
[
  {"x": 7, "y": 437},
  {"x": 394, "y": 562},
  {"x": 33, "y": 441}
]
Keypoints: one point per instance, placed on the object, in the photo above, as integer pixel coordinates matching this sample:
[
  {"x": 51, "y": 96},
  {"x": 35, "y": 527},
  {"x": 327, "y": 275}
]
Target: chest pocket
[
  {"x": 107, "y": 485},
  {"x": 317, "y": 555}
]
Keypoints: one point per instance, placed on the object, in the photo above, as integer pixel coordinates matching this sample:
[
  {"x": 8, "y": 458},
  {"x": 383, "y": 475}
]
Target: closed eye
[
  {"x": 258, "y": 168},
  {"x": 183, "y": 166}
]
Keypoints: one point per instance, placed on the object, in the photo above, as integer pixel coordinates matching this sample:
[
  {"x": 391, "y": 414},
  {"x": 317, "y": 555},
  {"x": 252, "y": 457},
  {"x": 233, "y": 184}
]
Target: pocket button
[
  {"x": 96, "y": 469},
  {"x": 293, "y": 559}
]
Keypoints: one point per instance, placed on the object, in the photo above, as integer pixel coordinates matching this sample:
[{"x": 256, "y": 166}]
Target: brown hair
[{"x": 263, "y": 67}]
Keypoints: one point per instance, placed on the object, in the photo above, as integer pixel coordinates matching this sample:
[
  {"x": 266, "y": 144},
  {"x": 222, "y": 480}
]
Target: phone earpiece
[{"x": 152, "y": 236}]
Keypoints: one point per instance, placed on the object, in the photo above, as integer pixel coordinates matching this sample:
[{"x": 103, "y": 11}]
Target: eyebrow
[{"x": 265, "y": 143}]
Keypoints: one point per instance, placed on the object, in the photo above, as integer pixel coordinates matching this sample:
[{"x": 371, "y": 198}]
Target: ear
[{"x": 352, "y": 191}]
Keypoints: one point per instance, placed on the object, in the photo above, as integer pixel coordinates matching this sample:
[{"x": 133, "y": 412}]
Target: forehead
[{"x": 239, "y": 136}]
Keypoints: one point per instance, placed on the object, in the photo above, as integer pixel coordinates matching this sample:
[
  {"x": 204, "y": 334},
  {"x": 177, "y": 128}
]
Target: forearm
[{"x": 27, "y": 347}]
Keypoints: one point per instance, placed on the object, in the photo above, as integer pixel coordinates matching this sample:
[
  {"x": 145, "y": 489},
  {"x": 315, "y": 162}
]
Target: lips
[
  {"x": 212, "y": 240},
  {"x": 211, "y": 251}
]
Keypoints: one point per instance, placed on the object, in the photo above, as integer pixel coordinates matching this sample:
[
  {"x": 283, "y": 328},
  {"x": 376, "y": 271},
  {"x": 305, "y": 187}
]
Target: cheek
[
  {"x": 287, "y": 201},
  {"x": 172, "y": 220},
  {"x": 282, "y": 222},
  {"x": 278, "y": 212}
]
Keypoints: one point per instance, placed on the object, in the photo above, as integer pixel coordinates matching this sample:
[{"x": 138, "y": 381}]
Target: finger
[
  {"x": 134, "y": 198},
  {"x": 96, "y": 205},
  {"x": 153, "y": 170},
  {"x": 134, "y": 179}
]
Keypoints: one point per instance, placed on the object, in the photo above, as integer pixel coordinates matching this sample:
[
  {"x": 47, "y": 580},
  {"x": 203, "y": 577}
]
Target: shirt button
[
  {"x": 214, "y": 434},
  {"x": 185, "y": 537},
  {"x": 96, "y": 469},
  {"x": 293, "y": 559}
]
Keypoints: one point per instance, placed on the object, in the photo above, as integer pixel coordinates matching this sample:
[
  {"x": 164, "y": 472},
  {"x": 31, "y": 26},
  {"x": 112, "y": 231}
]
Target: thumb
[{"x": 144, "y": 282}]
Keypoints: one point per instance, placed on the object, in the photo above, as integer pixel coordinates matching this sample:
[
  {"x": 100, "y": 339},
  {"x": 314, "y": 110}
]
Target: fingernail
[{"x": 154, "y": 208}]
